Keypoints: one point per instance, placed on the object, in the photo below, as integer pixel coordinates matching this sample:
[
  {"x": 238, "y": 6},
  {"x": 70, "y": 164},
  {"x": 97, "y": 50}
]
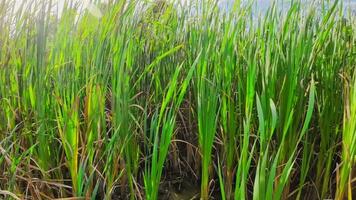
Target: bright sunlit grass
[{"x": 134, "y": 99}]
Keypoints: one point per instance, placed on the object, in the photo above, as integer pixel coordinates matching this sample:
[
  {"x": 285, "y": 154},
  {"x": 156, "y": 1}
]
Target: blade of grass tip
[{"x": 274, "y": 118}]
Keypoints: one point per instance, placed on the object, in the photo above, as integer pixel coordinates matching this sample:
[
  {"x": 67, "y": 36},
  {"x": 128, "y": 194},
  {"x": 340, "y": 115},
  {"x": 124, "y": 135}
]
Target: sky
[{"x": 224, "y": 4}]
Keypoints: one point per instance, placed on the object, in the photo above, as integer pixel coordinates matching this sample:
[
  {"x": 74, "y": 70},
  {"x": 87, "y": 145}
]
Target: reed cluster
[{"x": 123, "y": 99}]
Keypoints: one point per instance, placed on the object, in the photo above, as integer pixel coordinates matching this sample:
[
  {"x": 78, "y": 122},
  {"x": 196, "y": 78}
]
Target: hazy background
[{"x": 260, "y": 5}]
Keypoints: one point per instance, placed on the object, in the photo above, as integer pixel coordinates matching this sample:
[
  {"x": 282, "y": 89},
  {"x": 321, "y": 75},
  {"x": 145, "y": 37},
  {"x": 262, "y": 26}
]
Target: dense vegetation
[{"x": 149, "y": 96}]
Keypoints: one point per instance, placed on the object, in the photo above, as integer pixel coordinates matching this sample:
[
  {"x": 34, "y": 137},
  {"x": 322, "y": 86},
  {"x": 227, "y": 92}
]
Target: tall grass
[{"x": 96, "y": 102}]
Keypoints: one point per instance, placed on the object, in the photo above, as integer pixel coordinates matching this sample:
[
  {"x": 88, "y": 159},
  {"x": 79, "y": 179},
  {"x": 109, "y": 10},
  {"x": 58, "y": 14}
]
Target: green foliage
[{"x": 98, "y": 101}]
